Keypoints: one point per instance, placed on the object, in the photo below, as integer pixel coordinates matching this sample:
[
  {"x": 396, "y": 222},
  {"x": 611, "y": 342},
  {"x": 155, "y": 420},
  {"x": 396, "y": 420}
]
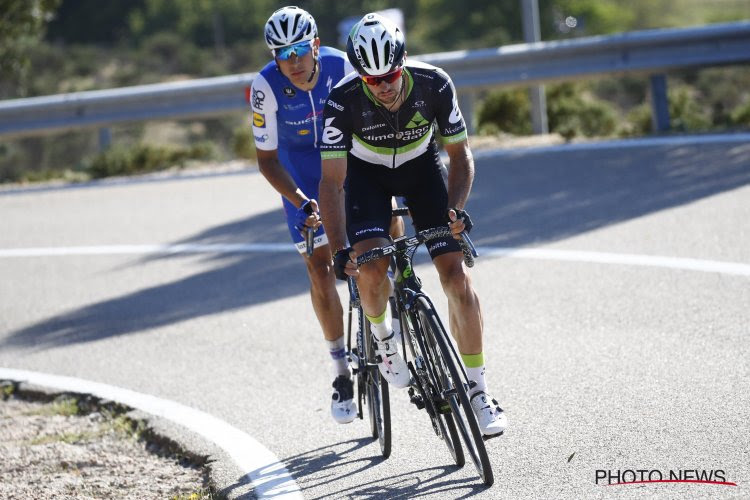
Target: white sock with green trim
[
  {"x": 474, "y": 364},
  {"x": 381, "y": 325}
]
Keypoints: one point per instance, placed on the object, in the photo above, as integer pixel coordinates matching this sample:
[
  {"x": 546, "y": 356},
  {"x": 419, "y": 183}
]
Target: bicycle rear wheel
[
  {"x": 455, "y": 384},
  {"x": 376, "y": 394},
  {"x": 428, "y": 378}
]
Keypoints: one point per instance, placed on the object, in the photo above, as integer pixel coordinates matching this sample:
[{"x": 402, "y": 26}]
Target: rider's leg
[
  {"x": 326, "y": 303},
  {"x": 464, "y": 310},
  {"x": 374, "y": 289},
  {"x": 327, "y": 306},
  {"x": 466, "y": 326},
  {"x": 373, "y": 283}
]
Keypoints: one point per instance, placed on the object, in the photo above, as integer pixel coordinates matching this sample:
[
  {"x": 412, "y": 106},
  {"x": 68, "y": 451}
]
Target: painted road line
[
  {"x": 687, "y": 264},
  {"x": 145, "y": 249},
  {"x": 269, "y": 476}
]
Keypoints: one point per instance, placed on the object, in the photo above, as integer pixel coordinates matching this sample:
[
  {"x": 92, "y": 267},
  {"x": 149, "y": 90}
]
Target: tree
[{"x": 21, "y": 27}]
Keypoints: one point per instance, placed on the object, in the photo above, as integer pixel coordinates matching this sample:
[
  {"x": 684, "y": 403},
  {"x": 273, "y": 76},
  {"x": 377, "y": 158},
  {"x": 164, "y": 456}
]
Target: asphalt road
[{"x": 599, "y": 366}]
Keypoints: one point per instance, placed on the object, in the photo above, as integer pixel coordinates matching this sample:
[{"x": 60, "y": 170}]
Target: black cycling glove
[
  {"x": 462, "y": 214},
  {"x": 340, "y": 259}
]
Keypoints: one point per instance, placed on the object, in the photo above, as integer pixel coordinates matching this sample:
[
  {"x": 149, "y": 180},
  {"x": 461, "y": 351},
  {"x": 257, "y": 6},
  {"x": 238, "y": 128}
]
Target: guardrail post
[
  {"x": 105, "y": 138},
  {"x": 659, "y": 103},
  {"x": 466, "y": 104}
]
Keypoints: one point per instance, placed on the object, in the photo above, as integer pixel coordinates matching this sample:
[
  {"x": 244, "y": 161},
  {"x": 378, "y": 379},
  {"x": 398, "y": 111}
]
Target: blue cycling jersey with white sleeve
[{"x": 289, "y": 120}]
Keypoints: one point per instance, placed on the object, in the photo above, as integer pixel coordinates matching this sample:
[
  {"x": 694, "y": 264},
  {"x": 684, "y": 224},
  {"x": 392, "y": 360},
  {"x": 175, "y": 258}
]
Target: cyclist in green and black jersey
[{"x": 378, "y": 141}]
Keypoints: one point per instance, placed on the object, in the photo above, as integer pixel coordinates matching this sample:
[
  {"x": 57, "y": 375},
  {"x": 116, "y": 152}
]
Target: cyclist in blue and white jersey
[
  {"x": 379, "y": 142},
  {"x": 287, "y": 101}
]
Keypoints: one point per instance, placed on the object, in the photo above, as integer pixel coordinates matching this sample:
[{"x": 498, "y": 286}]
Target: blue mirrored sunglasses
[{"x": 299, "y": 49}]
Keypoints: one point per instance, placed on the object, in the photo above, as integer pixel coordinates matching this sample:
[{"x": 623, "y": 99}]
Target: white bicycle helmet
[
  {"x": 289, "y": 25},
  {"x": 375, "y": 45}
]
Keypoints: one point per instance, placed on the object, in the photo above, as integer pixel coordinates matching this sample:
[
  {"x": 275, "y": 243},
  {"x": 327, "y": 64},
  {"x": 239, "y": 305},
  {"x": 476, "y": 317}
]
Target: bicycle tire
[
  {"x": 463, "y": 414},
  {"x": 447, "y": 427},
  {"x": 378, "y": 399}
]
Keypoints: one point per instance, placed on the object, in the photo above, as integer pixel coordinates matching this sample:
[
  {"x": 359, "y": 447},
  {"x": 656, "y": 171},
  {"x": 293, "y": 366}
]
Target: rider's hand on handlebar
[
  {"x": 344, "y": 264},
  {"x": 307, "y": 216},
  {"x": 459, "y": 221}
]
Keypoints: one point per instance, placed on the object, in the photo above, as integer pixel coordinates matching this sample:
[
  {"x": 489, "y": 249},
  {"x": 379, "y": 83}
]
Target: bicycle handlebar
[{"x": 422, "y": 236}]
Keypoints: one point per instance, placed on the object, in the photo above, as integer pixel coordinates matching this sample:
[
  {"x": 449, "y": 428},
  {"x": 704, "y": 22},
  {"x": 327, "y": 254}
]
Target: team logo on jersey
[
  {"x": 259, "y": 120},
  {"x": 303, "y": 131},
  {"x": 289, "y": 92},
  {"x": 258, "y": 97},
  {"x": 416, "y": 121},
  {"x": 335, "y": 105},
  {"x": 331, "y": 135},
  {"x": 455, "y": 116}
]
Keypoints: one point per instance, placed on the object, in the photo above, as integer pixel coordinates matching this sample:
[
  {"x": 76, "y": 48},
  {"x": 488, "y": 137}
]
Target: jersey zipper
[{"x": 314, "y": 117}]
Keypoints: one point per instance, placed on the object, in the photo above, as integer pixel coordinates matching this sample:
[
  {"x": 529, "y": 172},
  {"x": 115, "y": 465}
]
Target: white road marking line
[
  {"x": 269, "y": 476},
  {"x": 688, "y": 264}
]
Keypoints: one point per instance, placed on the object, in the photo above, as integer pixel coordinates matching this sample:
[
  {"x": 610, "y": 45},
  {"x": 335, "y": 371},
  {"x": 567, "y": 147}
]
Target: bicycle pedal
[{"x": 416, "y": 399}]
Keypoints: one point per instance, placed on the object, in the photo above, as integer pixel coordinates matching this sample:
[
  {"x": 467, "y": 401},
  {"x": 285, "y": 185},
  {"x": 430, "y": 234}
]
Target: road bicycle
[{"x": 439, "y": 384}]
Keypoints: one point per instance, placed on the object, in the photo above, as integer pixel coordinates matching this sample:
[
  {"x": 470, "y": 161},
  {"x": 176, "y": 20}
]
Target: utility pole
[{"x": 532, "y": 33}]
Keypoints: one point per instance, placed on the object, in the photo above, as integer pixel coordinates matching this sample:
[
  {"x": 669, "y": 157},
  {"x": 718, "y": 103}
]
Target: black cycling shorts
[{"x": 369, "y": 188}]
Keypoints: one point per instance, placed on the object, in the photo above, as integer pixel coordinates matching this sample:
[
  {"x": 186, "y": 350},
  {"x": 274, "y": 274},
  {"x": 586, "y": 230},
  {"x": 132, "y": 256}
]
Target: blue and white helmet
[
  {"x": 375, "y": 45},
  {"x": 289, "y": 25}
]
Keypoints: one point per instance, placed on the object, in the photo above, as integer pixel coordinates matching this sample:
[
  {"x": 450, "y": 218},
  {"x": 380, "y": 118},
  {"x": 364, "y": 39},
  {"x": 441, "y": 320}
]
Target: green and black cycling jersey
[{"x": 355, "y": 122}]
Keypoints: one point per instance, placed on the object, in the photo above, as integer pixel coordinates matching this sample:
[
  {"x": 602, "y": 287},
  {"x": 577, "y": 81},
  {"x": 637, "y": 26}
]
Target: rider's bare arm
[
  {"x": 460, "y": 174},
  {"x": 460, "y": 179},
  {"x": 331, "y": 192},
  {"x": 279, "y": 178}
]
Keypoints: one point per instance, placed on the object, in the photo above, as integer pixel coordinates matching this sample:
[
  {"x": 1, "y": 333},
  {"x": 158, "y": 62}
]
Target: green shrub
[
  {"x": 505, "y": 111},
  {"x": 741, "y": 115},
  {"x": 10, "y": 168},
  {"x": 637, "y": 122},
  {"x": 685, "y": 113},
  {"x": 243, "y": 143},
  {"x": 145, "y": 158},
  {"x": 571, "y": 114}
]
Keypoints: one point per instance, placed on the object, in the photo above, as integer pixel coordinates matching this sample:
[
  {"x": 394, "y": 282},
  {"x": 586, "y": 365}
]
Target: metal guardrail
[{"x": 471, "y": 70}]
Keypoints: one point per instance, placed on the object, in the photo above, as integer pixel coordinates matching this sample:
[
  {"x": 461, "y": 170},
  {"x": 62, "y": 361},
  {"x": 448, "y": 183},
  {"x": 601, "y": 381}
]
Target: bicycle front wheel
[
  {"x": 378, "y": 400},
  {"x": 454, "y": 385},
  {"x": 429, "y": 376}
]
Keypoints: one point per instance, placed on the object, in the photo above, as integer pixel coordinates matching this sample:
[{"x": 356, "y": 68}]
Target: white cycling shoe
[
  {"x": 343, "y": 409},
  {"x": 490, "y": 417},
  {"x": 390, "y": 363}
]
